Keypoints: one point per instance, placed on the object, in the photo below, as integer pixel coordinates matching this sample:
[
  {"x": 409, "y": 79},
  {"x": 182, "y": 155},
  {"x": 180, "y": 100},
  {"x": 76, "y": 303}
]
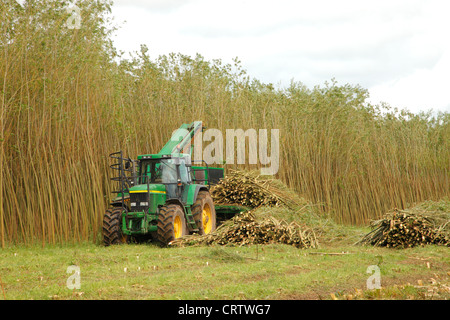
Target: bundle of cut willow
[
  {"x": 245, "y": 229},
  {"x": 250, "y": 189},
  {"x": 409, "y": 228}
]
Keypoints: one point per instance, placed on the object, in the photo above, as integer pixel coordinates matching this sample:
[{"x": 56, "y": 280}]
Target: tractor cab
[{"x": 168, "y": 173}]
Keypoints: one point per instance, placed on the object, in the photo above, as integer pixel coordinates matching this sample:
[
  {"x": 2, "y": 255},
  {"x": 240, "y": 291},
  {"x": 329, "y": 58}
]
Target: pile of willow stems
[
  {"x": 409, "y": 228},
  {"x": 250, "y": 189},
  {"x": 246, "y": 229}
]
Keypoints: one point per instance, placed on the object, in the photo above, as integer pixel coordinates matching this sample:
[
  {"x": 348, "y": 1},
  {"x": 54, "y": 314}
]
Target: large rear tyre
[
  {"x": 204, "y": 213},
  {"x": 112, "y": 231},
  {"x": 171, "y": 224}
]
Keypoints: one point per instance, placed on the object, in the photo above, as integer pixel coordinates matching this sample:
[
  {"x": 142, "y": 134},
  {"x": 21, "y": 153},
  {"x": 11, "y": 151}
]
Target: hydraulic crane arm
[{"x": 181, "y": 138}]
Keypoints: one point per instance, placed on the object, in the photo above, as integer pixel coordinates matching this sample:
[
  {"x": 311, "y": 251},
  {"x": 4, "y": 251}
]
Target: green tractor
[{"x": 163, "y": 196}]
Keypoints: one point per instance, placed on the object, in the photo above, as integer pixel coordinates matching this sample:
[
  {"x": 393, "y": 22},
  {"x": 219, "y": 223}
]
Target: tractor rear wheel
[
  {"x": 204, "y": 213},
  {"x": 171, "y": 224},
  {"x": 112, "y": 231}
]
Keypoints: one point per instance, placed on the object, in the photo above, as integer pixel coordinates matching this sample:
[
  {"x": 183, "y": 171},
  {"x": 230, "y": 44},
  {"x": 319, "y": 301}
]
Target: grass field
[{"x": 146, "y": 271}]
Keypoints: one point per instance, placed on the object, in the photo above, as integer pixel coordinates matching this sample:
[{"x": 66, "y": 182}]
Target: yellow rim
[
  {"x": 177, "y": 227},
  {"x": 207, "y": 218}
]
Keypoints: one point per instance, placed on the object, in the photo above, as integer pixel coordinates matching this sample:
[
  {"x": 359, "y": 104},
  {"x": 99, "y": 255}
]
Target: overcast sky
[{"x": 399, "y": 50}]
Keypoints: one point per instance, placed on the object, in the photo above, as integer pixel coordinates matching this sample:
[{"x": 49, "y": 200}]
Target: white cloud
[
  {"x": 423, "y": 89},
  {"x": 384, "y": 46}
]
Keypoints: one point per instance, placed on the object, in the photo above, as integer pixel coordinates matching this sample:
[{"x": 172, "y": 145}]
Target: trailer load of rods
[
  {"x": 250, "y": 189},
  {"x": 246, "y": 229},
  {"x": 409, "y": 228}
]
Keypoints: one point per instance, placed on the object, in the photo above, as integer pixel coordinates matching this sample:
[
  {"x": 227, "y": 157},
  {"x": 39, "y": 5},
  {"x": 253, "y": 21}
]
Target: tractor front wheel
[
  {"x": 171, "y": 224},
  {"x": 112, "y": 230}
]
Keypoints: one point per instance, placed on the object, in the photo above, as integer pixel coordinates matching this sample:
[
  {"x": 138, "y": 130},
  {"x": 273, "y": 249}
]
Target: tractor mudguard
[{"x": 193, "y": 192}]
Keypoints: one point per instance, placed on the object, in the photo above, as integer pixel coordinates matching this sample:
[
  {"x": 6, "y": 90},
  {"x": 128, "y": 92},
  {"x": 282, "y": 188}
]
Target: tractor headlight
[
  {"x": 144, "y": 204},
  {"x": 133, "y": 204}
]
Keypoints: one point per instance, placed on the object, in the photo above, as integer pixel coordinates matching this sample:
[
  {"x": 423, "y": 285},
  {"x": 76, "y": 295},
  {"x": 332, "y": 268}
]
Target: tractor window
[
  {"x": 184, "y": 175},
  {"x": 168, "y": 171},
  {"x": 149, "y": 170},
  {"x": 163, "y": 171}
]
